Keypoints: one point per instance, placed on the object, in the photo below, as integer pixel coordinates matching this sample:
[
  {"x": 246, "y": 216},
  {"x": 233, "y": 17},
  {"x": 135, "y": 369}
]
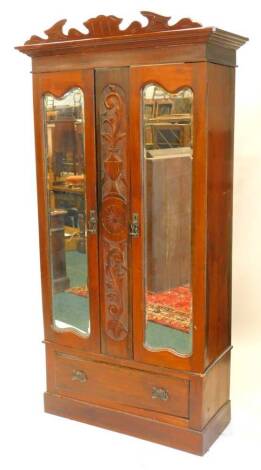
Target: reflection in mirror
[
  {"x": 65, "y": 173},
  {"x": 167, "y": 131}
]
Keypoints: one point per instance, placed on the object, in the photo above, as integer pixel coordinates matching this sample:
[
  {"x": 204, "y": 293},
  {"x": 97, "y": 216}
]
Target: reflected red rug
[
  {"x": 81, "y": 291},
  {"x": 172, "y": 308}
]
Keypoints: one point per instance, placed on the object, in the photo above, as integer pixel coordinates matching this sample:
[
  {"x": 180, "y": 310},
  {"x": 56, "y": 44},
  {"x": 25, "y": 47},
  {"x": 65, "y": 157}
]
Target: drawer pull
[
  {"x": 159, "y": 393},
  {"x": 79, "y": 375}
]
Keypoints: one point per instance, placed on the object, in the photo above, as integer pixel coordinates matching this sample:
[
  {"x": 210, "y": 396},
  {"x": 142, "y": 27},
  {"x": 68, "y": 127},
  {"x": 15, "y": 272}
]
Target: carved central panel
[
  {"x": 114, "y": 210},
  {"x": 114, "y": 218}
]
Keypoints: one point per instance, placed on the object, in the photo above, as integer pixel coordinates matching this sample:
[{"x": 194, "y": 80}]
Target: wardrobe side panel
[{"x": 219, "y": 208}]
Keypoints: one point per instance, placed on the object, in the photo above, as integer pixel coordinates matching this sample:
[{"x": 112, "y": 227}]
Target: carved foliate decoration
[
  {"x": 114, "y": 210},
  {"x": 114, "y": 219},
  {"x": 109, "y": 26}
]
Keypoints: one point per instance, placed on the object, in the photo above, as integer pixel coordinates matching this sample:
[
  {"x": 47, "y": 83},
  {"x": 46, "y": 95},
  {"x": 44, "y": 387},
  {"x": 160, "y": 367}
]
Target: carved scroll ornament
[
  {"x": 114, "y": 211},
  {"x": 109, "y": 26}
]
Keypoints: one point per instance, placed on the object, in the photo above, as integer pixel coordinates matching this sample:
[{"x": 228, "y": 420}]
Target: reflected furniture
[
  {"x": 134, "y": 156},
  {"x": 57, "y": 246}
]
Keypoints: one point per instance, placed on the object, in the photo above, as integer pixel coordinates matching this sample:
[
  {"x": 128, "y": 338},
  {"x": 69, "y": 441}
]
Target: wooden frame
[
  {"x": 58, "y": 84},
  {"x": 109, "y": 378},
  {"x": 172, "y": 78}
]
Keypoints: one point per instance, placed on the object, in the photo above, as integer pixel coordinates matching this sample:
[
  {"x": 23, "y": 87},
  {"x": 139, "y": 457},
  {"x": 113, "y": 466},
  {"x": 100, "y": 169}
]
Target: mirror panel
[
  {"x": 66, "y": 200},
  {"x": 167, "y": 172}
]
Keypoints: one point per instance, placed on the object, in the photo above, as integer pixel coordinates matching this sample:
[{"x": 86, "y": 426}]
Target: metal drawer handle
[
  {"x": 79, "y": 375},
  {"x": 159, "y": 393}
]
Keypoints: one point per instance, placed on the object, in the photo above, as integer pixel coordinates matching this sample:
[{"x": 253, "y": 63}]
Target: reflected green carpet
[
  {"x": 69, "y": 308},
  {"x": 163, "y": 337},
  {"x": 74, "y": 310}
]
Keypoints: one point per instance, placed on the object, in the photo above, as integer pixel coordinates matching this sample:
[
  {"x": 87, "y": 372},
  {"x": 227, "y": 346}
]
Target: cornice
[{"x": 104, "y": 32}]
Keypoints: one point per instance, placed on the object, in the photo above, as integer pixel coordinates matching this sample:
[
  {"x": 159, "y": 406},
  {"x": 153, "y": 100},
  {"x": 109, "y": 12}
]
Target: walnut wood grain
[
  {"x": 104, "y": 32},
  {"x": 210, "y": 391},
  {"x": 221, "y": 89},
  {"x": 109, "y": 384},
  {"x": 197, "y": 396},
  {"x": 58, "y": 84},
  {"x": 171, "y": 77},
  {"x": 109, "y": 26},
  {"x": 104, "y": 379},
  {"x": 146, "y": 55},
  {"x": 189, "y": 440},
  {"x": 114, "y": 211},
  {"x": 113, "y": 164}
]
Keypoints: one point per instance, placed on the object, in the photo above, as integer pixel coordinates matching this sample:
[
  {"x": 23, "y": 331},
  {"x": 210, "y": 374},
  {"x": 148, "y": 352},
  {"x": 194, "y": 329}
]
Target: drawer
[{"x": 103, "y": 383}]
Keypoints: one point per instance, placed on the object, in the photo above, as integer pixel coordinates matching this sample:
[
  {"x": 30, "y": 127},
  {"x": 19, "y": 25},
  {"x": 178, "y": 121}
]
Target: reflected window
[
  {"x": 66, "y": 199},
  {"x": 167, "y": 158}
]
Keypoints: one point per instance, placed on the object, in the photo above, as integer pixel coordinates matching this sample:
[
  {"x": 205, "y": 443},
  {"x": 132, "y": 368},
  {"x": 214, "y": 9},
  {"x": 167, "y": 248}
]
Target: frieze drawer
[{"x": 102, "y": 383}]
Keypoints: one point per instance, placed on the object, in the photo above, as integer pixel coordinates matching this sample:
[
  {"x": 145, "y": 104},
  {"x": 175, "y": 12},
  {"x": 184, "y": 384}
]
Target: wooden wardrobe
[{"x": 134, "y": 156}]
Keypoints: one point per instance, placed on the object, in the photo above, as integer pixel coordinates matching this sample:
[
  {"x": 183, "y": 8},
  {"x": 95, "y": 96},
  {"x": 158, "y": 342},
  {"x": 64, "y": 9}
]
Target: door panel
[
  {"x": 112, "y": 102},
  {"x": 167, "y": 200},
  {"x": 66, "y": 172},
  {"x": 169, "y": 195}
]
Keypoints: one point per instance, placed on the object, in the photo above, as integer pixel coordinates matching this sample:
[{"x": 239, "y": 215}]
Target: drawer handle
[
  {"x": 160, "y": 393},
  {"x": 79, "y": 375}
]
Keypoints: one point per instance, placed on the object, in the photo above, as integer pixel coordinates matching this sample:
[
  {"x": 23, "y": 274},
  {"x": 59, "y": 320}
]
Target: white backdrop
[{"x": 33, "y": 439}]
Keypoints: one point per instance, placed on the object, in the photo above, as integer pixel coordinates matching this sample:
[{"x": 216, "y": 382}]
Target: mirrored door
[
  {"x": 66, "y": 198},
  {"x": 167, "y": 153},
  {"x": 68, "y": 214},
  {"x": 168, "y": 196}
]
